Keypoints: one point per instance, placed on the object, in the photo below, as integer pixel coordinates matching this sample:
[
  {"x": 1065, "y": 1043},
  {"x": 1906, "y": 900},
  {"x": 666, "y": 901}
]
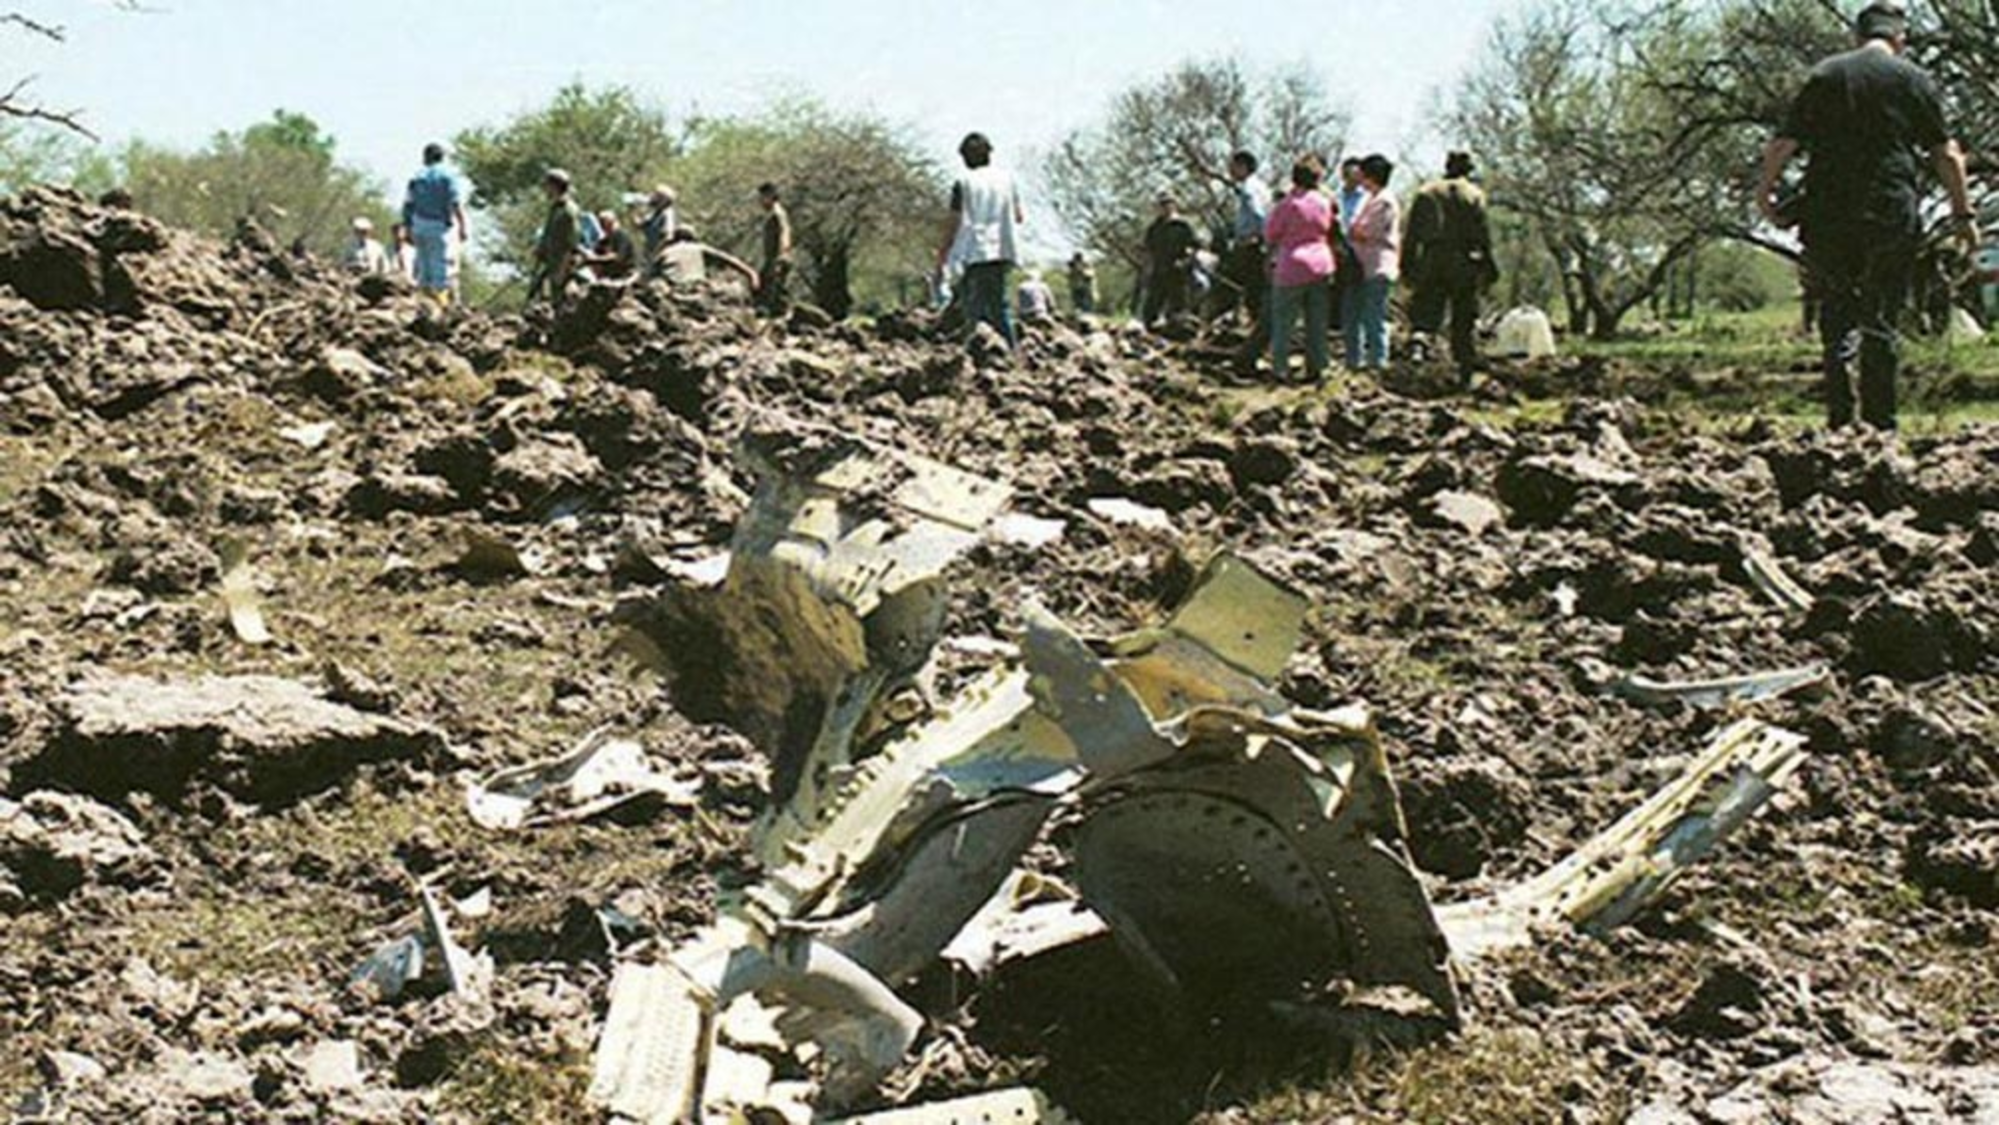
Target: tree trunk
[
  {"x": 1605, "y": 318},
  {"x": 1596, "y": 320},
  {"x": 1572, "y": 299},
  {"x": 1693, "y": 284}
]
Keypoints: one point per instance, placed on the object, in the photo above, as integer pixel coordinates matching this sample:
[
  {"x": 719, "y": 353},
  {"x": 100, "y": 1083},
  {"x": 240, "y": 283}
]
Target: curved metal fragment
[{"x": 1234, "y": 879}]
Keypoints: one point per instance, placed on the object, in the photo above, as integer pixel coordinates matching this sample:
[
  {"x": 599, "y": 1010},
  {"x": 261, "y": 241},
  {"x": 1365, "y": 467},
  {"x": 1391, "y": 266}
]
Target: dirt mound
[{"x": 185, "y": 424}]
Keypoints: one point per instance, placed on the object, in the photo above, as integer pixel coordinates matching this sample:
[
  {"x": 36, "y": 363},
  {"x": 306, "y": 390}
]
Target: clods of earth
[{"x": 287, "y": 562}]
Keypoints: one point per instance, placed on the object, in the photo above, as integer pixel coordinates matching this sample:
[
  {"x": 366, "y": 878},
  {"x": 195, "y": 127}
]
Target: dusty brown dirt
[{"x": 1839, "y": 950}]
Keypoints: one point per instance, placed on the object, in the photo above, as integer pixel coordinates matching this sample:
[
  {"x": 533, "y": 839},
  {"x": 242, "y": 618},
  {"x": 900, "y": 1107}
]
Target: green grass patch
[
  {"x": 497, "y": 1084},
  {"x": 1491, "y": 1076}
]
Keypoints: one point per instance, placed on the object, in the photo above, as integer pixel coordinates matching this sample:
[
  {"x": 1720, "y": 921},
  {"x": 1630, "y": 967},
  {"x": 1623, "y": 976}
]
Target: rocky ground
[{"x": 451, "y": 530}]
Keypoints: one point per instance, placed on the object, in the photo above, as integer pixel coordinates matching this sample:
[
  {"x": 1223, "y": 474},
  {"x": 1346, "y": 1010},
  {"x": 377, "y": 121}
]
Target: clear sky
[{"x": 384, "y": 76}]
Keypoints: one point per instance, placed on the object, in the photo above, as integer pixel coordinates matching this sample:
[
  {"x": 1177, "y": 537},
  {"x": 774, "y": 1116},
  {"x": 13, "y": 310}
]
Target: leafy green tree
[
  {"x": 1176, "y": 134},
  {"x": 611, "y": 141},
  {"x": 866, "y": 205},
  {"x": 284, "y": 173}
]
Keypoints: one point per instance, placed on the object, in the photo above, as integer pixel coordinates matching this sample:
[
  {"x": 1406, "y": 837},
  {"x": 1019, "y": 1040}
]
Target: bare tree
[
  {"x": 1577, "y": 142},
  {"x": 15, "y": 100},
  {"x": 1176, "y": 134}
]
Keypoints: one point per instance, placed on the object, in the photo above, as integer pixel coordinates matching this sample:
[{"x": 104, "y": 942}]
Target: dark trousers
[
  {"x": 1247, "y": 270},
  {"x": 1862, "y": 279},
  {"x": 1431, "y": 299},
  {"x": 774, "y": 284},
  {"x": 985, "y": 297},
  {"x": 1165, "y": 294},
  {"x": 1248, "y": 274}
]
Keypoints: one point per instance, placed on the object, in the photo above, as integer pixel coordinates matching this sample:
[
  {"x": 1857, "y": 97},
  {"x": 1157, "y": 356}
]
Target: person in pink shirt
[
  {"x": 1299, "y": 233},
  {"x": 1375, "y": 235}
]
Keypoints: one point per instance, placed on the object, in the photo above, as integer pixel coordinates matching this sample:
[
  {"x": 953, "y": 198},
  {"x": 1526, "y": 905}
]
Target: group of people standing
[
  {"x": 1310, "y": 255},
  {"x": 1322, "y": 256},
  {"x": 576, "y": 245},
  {"x": 573, "y": 244}
]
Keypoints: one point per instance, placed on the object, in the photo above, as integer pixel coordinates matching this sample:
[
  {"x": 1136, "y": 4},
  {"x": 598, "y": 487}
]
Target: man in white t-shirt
[
  {"x": 364, "y": 254},
  {"x": 985, "y": 212}
]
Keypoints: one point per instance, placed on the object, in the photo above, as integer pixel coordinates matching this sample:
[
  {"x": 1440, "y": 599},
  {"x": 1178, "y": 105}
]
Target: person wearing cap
[
  {"x": 364, "y": 254},
  {"x": 557, "y": 250},
  {"x": 657, "y": 227},
  {"x": 1170, "y": 243},
  {"x": 1865, "y": 119},
  {"x": 775, "y": 274},
  {"x": 982, "y": 236},
  {"x": 433, "y": 206},
  {"x": 1447, "y": 259}
]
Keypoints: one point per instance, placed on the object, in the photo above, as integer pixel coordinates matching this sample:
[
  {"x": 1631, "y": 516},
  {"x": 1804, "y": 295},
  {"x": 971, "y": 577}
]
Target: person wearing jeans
[
  {"x": 1299, "y": 233},
  {"x": 433, "y": 208},
  {"x": 1375, "y": 235}
]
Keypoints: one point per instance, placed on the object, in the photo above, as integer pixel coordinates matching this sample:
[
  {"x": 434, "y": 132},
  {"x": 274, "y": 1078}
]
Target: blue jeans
[
  {"x": 433, "y": 254},
  {"x": 1315, "y": 301},
  {"x": 985, "y": 297},
  {"x": 1364, "y": 312}
]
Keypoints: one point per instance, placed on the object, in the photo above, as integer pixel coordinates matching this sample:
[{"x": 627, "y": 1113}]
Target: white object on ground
[
  {"x": 1525, "y": 333},
  {"x": 604, "y": 774}
]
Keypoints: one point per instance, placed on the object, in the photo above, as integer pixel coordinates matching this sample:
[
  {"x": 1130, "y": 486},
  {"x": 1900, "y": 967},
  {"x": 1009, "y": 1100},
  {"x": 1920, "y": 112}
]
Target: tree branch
[
  {"x": 12, "y": 107},
  {"x": 33, "y": 27}
]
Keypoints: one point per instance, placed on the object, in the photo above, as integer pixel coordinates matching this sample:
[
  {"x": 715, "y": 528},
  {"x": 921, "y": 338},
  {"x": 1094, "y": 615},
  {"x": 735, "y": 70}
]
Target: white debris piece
[
  {"x": 1015, "y": 1107},
  {"x": 309, "y": 435},
  {"x": 1609, "y": 878},
  {"x": 1130, "y": 513},
  {"x": 603, "y": 774},
  {"x": 1028, "y": 917},
  {"x": 1021, "y": 530},
  {"x": 650, "y": 1054}
]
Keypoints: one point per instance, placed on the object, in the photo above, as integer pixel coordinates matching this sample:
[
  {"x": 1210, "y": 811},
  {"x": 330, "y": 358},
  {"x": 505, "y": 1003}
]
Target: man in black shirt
[
  {"x": 1865, "y": 117},
  {"x": 1170, "y": 243}
]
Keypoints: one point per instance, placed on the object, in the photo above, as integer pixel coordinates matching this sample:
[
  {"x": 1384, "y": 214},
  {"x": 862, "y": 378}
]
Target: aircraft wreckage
[{"x": 1239, "y": 850}]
